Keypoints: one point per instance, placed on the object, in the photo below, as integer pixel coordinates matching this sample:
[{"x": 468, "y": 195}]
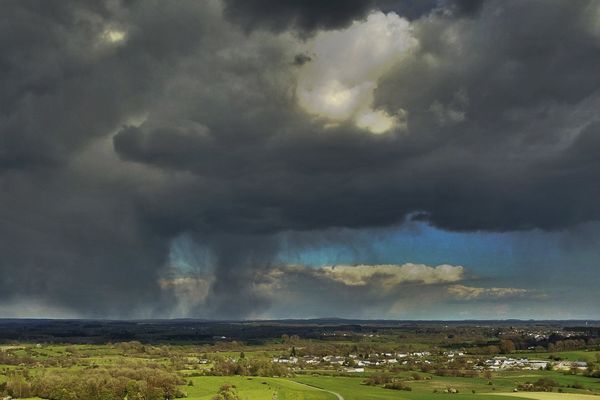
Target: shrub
[
  {"x": 379, "y": 379},
  {"x": 397, "y": 386}
]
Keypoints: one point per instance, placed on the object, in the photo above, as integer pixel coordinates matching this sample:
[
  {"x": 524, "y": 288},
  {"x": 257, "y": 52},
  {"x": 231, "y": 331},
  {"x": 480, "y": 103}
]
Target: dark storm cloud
[
  {"x": 71, "y": 234},
  {"x": 506, "y": 102},
  {"x": 464, "y": 7},
  {"x": 308, "y": 16},
  {"x": 63, "y": 84},
  {"x": 209, "y": 139},
  {"x": 302, "y": 15},
  {"x": 77, "y": 246}
]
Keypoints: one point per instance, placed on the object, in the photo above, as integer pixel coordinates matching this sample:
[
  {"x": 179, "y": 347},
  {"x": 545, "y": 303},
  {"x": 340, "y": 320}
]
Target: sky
[{"x": 256, "y": 159}]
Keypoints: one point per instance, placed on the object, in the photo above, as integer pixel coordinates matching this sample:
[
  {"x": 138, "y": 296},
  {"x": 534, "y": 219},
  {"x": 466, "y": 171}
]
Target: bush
[
  {"x": 397, "y": 386},
  {"x": 379, "y": 379},
  {"x": 226, "y": 392},
  {"x": 541, "y": 385}
]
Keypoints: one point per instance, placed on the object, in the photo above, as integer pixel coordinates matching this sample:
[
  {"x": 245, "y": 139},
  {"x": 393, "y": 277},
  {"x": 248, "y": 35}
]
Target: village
[{"x": 354, "y": 363}]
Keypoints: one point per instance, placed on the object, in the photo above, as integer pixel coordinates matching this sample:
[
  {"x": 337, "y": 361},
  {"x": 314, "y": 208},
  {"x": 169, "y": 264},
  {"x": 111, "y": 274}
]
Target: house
[
  {"x": 579, "y": 364},
  {"x": 285, "y": 360},
  {"x": 421, "y": 353},
  {"x": 311, "y": 360},
  {"x": 538, "y": 364},
  {"x": 506, "y": 363},
  {"x": 354, "y": 370},
  {"x": 334, "y": 359}
]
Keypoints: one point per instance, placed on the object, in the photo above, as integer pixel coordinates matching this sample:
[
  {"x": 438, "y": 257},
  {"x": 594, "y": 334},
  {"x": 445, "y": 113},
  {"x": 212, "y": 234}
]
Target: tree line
[{"x": 135, "y": 382}]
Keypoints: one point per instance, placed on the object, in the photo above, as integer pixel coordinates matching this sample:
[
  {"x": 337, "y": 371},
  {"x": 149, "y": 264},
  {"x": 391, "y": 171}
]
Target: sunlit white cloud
[
  {"x": 388, "y": 276},
  {"x": 333, "y": 99},
  {"x": 462, "y": 292},
  {"x": 339, "y": 82},
  {"x": 113, "y": 36},
  {"x": 378, "y": 121}
]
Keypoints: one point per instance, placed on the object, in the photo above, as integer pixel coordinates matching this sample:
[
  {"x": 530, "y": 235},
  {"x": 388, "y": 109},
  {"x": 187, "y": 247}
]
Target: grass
[
  {"x": 553, "y": 396},
  {"x": 254, "y": 388},
  {"x": 512, "y": 379},
  {"x": 351, "y": 388}
]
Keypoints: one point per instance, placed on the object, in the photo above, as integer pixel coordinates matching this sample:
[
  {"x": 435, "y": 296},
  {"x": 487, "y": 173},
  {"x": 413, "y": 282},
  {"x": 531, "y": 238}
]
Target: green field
[
  {"x": 551, "y": 396},
  {"x": 354, "y": 389},
  {"x": 199, "y": 381},
  {"x": 255, "y": 388}
]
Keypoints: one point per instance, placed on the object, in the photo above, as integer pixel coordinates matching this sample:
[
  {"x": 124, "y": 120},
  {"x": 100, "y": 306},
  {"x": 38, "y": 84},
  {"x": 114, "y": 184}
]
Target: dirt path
[{"x": 336, "y": 394}]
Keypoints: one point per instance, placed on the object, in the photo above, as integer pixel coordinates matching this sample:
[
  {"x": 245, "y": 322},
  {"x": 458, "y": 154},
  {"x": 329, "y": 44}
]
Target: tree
[
  {"x": 507, "y": 346},
  {"x": 227, "y": 392}
]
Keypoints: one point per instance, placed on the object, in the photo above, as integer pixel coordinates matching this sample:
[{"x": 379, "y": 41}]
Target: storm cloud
[
  {"x": 306, "y": 17},
  {"x": 126, "y": 125}
]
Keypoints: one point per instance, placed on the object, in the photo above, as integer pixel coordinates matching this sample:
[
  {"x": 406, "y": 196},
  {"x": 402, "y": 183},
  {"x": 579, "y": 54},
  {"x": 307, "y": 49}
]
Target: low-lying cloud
[
  {"x": 375, "y": 285},
  {"x": 390, "y": 275},
  {"x": 461, "y": 292}
]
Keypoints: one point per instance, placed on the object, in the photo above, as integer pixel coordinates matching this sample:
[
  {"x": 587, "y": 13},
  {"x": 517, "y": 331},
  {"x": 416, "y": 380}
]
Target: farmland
[{"x": 314, "y": 361}]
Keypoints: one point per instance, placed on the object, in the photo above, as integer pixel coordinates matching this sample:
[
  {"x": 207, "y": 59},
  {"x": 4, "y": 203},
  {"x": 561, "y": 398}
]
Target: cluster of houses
[
  {"x": 568, "y": 365},
  {"x": 540, "y": 333},
  {"x": 353, "y": 362},
  {"x": 452, "y": 354},
  {"x": 499, "y": 363}
]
